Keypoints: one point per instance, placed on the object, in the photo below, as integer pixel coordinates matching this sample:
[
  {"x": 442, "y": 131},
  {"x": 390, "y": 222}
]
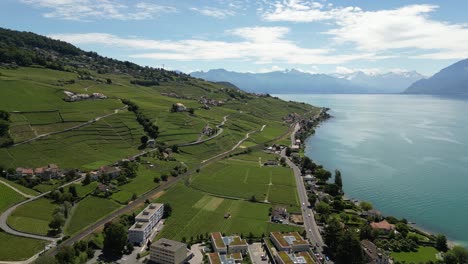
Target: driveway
[{"x": 256, "y": 251}]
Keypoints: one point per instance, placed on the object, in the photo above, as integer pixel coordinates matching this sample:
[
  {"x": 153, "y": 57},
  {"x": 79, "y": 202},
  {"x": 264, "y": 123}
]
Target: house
[
  {"x": 22, "y": 172},
  {"x": 113, "y": 172},
  {"x": 105, "y": 188},
  {"x": 308, "y": 177},
  {"x": 298, "y": 142},
  {"x": 383, "y": 225},
  {"x": 228, "y": 244},
  {"x": 371, "y": 213},
  {"x": 165, "y": 251},
  {"x": 290, "y": 242},
  {"x": 52, "y": 171},
  {"x": 151, "y": 143},
  {"x": 216, "y": 258},
  {"x": 279, "y": 214},
  {"x": 145, "y": 222},
  {"x": 178, "y": 107},
  {"x": 283, "y": 257},
  {"x": 94, "y": 175},
  {"x": 295, "y": 148},
  {"x": 374, "y": 255}
]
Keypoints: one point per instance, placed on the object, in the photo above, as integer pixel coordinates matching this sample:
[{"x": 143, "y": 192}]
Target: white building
[{"x": 144, "y": 223}]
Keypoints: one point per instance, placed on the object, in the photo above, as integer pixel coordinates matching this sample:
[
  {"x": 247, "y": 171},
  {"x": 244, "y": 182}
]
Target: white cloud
[
  {"x": 99, "y": 9},
  {"x": 214, "y": 12},
  {"x": 406, "y": 28},
  {"x": 261, "y": 45}
]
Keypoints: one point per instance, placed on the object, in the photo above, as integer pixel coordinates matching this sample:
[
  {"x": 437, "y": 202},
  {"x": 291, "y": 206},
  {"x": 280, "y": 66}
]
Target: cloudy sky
[{"x": 244, "y": 35}]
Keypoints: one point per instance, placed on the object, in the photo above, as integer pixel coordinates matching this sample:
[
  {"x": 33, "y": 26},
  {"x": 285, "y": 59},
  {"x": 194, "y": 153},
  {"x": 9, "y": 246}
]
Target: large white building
[{"x": 144, "y": 223}]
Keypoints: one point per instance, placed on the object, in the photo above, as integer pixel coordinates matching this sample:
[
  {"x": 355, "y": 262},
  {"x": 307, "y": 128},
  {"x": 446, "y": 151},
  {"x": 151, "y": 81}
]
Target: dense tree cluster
[
  {"x": 343, "y": 244},
  {"x": 5, "y": 139}
]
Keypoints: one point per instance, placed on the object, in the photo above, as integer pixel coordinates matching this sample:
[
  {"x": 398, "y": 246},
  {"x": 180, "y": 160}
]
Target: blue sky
[{"x": 325, "y": 36}]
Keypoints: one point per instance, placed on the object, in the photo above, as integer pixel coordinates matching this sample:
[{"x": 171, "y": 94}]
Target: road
[
  {"x": 4, "y": 216},
  {"x": 313, "y": 233},
  {"x": 16, "y": 190},
  {"x": 71, "y": 128}
]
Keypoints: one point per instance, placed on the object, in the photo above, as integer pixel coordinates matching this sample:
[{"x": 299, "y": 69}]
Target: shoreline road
[
  {"x": 310, "y": 225},
  {"x": 4, "y": 216}
]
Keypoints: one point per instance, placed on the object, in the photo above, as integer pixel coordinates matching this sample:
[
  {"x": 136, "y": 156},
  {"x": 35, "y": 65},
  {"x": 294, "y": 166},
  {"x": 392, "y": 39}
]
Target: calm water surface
[{"x": 408, "y": 155}]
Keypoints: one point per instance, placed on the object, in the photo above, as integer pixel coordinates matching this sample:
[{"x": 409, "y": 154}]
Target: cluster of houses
[
  {"x": 112, "y": 171},
  {"x": 227, "y": 249},
  {"x": 48, "y": 172},
  {"x": 207, "y": 102},
  {"x": 145, "y": 222},
  {"x": 74, "y": 97},
  {"x": 289, "y": 248}
]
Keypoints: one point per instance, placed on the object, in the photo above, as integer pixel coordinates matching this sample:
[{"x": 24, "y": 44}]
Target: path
[
  {"x": 71, "y": 128},
  {"x": 16, "y": 190},
  {"x": 220, "y": 131},
  {"x": 4, "y": 216}
]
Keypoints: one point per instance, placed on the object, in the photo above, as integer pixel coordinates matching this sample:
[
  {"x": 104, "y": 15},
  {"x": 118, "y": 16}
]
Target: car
[
  {"x": 326, "y": 257},
  {"x": 310, "y": 230},
  {"x": 309, "y": 215},
  {"x": 303, "y": 203}
]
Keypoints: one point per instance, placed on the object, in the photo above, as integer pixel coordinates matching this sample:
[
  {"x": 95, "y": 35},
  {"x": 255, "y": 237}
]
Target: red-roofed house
[{"x": 383, "y": 225}]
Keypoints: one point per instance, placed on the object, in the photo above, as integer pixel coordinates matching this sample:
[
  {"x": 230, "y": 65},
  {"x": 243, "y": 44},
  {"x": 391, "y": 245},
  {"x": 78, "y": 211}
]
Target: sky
[{"x": 317, "y": 36}]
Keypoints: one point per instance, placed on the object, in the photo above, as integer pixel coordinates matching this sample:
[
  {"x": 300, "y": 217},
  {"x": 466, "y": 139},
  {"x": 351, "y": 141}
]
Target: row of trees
[{"x": 151, "y": 129}]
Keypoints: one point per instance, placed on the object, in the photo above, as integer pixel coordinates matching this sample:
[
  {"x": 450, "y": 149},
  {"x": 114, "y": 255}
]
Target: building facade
[
  {"x": 165, "y": 251},
  {"x": 145, "y": 223}
]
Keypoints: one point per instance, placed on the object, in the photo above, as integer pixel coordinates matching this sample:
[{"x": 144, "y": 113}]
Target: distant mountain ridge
[
  {"x": 452, "y": 80},
  {"x": 295, "y": 81}
]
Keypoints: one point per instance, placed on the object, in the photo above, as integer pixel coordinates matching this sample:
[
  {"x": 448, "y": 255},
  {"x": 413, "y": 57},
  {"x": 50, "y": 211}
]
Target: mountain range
[
  {"x": 295, "y": 81},
  {"x": 452, "y": 80}
]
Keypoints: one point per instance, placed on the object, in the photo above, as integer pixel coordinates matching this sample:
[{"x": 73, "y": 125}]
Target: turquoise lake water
[{"x": 406, "y": 154}]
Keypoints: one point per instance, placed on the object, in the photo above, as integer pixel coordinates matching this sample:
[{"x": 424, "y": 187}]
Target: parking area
[{"x": 256, "y": 252}]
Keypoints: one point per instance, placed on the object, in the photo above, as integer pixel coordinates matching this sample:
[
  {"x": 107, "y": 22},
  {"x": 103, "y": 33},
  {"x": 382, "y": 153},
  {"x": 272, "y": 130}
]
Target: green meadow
[
  {"x": 8, "y": 197},
  {"x": 33, "y": 217},
  {"x": 15, "y": 248},
  {"x": 194, "y": 213}
]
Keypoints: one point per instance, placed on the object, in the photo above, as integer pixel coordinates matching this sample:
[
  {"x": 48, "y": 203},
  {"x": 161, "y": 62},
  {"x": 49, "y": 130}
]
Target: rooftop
[
  {"x": 148, "y": 211},
  {"x": 167, "y": 244},
  {"x": 298, "y": 258},
  {"x": 138, "y": 226},
  {"x": 218, "y": 240},
  {"x": 382, "y": 225},
  {"x": 222, "y": 242},
  {"x": 216, "y": 258},
  {"x": 289, "y": 239}
]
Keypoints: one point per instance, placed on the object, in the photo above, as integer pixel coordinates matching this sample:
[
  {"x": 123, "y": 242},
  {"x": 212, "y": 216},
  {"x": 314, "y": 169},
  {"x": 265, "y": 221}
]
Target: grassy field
[
  {"x": 21, "y": 187},
  {"x": 33, "y": 217},
  {"x": 424, "y": 254},
  {"x": 82, "y": 191},
  {"x": 88, "y": 211},
  {"x": 8, "y": 197},
  {"x": 194, "y": 212},
  {"x": 14, "y": 248},
  {"x": 244, "y": 177}
]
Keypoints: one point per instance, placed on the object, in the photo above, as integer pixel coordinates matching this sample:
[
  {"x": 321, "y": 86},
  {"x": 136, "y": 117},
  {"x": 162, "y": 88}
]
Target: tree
[
  {"x": 441, "y": 243},
  {"x": 333, "y": 234},
  {"x": 87, "y": 179},
  {"x": 191, "y": 111},
  {"x": 134, "y": 196},
  {"x": 167, "y": 210},
  {"x": 57, "y": 222},
  {"x": 323, "y": 208},
  {"x": 349, "y": 250},
  {"x": 115, "y": 239},
  {"x": 108, "y": 81},
  {"x": 164, "y": 177},
  {"x": 72, "y": 191},
  {"x": 175, "y": 148},
  {"x": 253, "y": 199},
  {"x": 130, "y": 248},
  {"x": 460, "y": 253},
  {"x": 144, "y": 140},
  {"x": 322, "y": 174},
  {"x": 332, "y": 189},
  {"x": 312, "y": 199},
  {"x": 338, "y": 179},
  {"x": 288, "y": 151},
  {"x": 366, "y": 206},
  {"x": 156, "y": 179},
  {"x": 65, "y": 255}
]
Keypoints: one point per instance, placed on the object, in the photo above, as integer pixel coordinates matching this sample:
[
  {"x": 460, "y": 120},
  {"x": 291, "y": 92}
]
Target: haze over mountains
[{"x": 295, "y": 81}]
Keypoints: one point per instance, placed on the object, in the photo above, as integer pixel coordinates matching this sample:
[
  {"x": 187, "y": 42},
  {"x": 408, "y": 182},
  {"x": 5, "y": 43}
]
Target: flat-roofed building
[
  {"x": 228, "y": 244},
  {"x": 145, "y": 223},
  {"x": 291, "y": 242},
  {"x": 216, "y": 258},
  {"x": 294, "y": 258},
  {"x": 139, "y": 232},
  {"x": 165, "y": 251},
  {"x": 152, "y": 214}
]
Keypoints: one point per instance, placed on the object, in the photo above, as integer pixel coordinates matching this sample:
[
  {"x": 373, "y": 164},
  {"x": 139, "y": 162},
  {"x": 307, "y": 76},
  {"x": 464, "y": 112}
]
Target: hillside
[
  {"x": 294, "y": 81},
  {"x": 452, "y": 80},
  {"x": 45, "y": 128}
]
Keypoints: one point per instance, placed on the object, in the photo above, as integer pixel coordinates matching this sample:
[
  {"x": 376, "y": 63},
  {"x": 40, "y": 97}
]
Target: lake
[{"x": 406, "y": 154}]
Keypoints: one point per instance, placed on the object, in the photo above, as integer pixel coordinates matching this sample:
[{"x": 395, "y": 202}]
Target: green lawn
[
  {"x": 88, "y": 211},
  {"x": 244, "y": 178},
  {"x": 194, "y": 212},
  {"x": 33, "y": 217},
  {"x": 15, "y": 248},
  {"x": 8, "y": 197},
  {"x": 83, "y": 190},
  {"x": 424, "y": 254},
  {"x": 142, "y": 183}
]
